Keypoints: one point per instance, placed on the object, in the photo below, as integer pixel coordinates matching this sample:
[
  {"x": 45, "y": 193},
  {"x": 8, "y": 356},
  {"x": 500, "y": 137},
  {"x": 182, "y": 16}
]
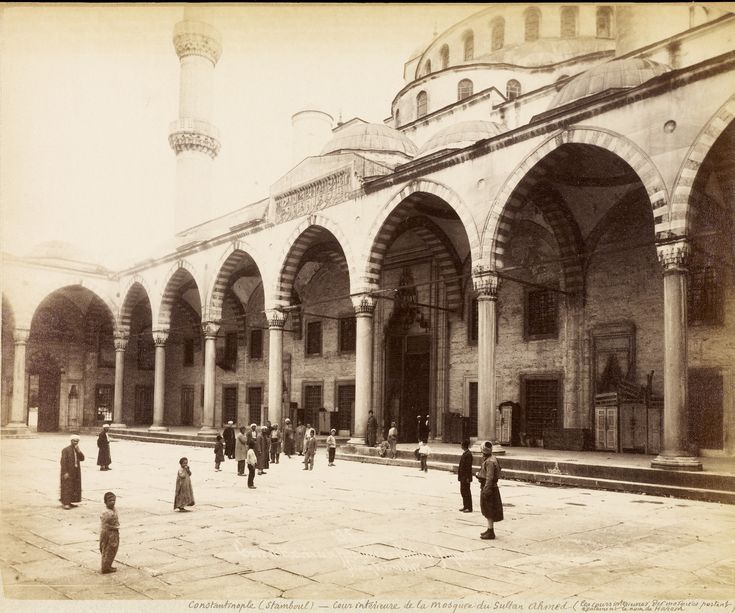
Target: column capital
[
  {"x": 364, "y": 304},
  {"x": 20, "y": 335},
  {"x": 674, "y": 256},
  {"x": 120, "y": 339},
  {"x": 276, "y": 319},
  {"x": 160, "y": 337},
  {"x": 485, "y": 282},
  {"x": 210, "y": 328}
]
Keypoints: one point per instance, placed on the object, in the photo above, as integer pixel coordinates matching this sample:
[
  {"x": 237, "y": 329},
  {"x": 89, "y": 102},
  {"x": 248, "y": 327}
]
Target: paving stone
[
  {"x": 429, "y": 589},
  {"x": 322, "y": 591},
  {"x": 32, "y": 591},
  {"x": 279, "y": 579}
]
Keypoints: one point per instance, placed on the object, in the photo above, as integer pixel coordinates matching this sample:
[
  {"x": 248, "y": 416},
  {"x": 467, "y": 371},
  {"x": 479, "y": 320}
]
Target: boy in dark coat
[
  {"x": 464, "y": 476},
  {"x": 219, "y": 453}
]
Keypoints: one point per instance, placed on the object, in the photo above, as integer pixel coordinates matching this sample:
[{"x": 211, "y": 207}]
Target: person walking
[
  {"x": 241, "y": 451},
  {"x": 71, "y": 474},
  {"x": 228, "y": 435},
  {"x": 331, "y": 446},
  {"x": 309, "y": 450},
  {"x": 275, "y": 443},
  {"x": 219, "y": 453},
  {"x": 288, "y": 442},
  {"x": 261, "y": 450},
  {"x": 464, "y": 476},
  {"x": 392, "y": 439},
  {"x": 252, "y": 461},
  {"x": 372, "y": 430},
  {"x": 491, "y": 504},
  {"x": 109, "y": 534},
  {"x": 300, "y": 437},
  {"x": 424, "y": 452},
  {"x": 184, "y": 495},
  {"x": 103, "y": 445}
]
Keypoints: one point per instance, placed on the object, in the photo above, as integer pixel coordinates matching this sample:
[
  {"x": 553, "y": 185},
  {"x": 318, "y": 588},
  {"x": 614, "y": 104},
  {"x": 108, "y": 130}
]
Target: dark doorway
[
  {"x": 187, "y": 405},
  {"x": 542, "y": 402},
  {"x": 229, "y": 403},
  {"x": 705, "y": 408},
  {"x": 46, "y": 380},
  {"x": 143, "y": 404},
  {"x": 407, "y": 383}
]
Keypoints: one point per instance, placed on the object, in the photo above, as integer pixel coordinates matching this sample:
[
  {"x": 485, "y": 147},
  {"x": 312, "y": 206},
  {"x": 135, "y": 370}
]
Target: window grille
[
  {"x": 256, "y": 344},
  {"x": 568, "y": 22},
  {"x": 704, "y": 296},
  {"x": 542, "y": 405},
  {"x": 255, "y": 404},
  {"x": 541, "y": 314},
  {"x": 347, "y": 334},
  {"x": 314, "y": 338},
  {"x": 512, "y": 89},
  {"x": 345, "y": 406},
  {"x": 472, "y": 426},
  {"x": 104, "y": 396},
  {"x": 464, "y": 89}
]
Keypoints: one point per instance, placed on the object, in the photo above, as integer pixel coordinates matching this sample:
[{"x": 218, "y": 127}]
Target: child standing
[
  {"x": 184, "y": 496},
  {"x": 424, "y": 455},
  {"x": 252, "y": 461},
  {"x": 109, "y": 534},
  {"x": 331, "y": 446},
  {"x": 219, "y": 453},
  {"x": 309, "y": 450}
]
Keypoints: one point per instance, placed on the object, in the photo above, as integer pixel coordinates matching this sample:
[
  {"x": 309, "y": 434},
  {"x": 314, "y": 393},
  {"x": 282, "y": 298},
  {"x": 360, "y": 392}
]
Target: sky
[{"x": 87, "y": 94}]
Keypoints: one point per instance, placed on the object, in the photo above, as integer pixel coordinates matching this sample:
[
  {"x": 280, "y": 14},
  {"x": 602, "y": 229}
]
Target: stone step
[
  {"x": 178, "y": 438},
  {"x": 560, "y": 479}
]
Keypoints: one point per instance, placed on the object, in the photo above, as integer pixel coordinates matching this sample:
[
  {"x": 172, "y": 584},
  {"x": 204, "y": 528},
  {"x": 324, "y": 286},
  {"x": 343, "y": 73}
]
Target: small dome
[
  {"x": 618, "y": 74},
  {"x": 460, "y": 135},
  {"x": 370, "y": 137}
]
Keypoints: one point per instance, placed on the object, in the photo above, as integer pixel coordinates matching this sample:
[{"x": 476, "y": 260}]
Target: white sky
[{"x": 88, "y": 92}]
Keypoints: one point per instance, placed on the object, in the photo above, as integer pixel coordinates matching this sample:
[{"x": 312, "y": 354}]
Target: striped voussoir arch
[
  {"x": 178, "y": 275},
  {"x": 536, "y": 165},
  {"x": 232, "y": 260},
  {"x": 404, "y": 204},
  {"x": 135, "y": 291},
  {"x": 441, "y": 250},
  {"x": 315, "y": 230},
  {"x": 684, "y": 200}
]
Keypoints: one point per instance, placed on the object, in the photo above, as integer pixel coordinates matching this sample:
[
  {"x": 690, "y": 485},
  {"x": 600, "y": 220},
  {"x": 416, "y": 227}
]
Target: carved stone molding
[
  {"x": 121, "y": 341},
  {"x": 276, "y": 319},
  {"x": 194, "y": 38},
  {"x": 194, "y": 141},
  {"x": 674, "y": 256},
  {"x": 486, "y": 283},
  {"x": 20, "y": 335},
  {"x": 160, "y": 337},
  {"x": 364, "y": 304},
  {"x": 210, "y": 329}
]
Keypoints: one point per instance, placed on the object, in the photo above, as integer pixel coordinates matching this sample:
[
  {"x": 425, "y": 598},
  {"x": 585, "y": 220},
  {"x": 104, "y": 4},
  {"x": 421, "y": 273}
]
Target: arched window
[
  {"x": 464, "y": 89},
  {"x": 568, "y": 21},
  {"x": 533, "y": 24},
  {"x": 604, "y": 22},
  {"x": 512, "y": 89},
  {"x": 497, "y": 29},
  {"x": 469, "y": 45},
  {"x": 444, "y": 55},
  {"x": 427, "y": 67},
  {"x": 422, "y": 104}
]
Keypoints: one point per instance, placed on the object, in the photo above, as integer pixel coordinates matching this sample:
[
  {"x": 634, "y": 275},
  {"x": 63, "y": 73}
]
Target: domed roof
[
  {"x": 618, "y": 74},
  {"x": 56, "y": 250},
  {"x": 460, "y": 135},
  {"x": 370, "y": 137}
]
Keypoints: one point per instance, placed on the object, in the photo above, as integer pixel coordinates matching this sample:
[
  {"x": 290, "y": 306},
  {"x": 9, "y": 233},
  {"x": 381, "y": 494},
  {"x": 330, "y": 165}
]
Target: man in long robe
[
  {"x": 71, "y": 474},
  {"x": 300, "y": 432},
  {"x": 103, "y": 444},
  {"x": 288, "y": 442},
  {"x": 228, "y": 435},
  {"x": 372, "y": 430}
]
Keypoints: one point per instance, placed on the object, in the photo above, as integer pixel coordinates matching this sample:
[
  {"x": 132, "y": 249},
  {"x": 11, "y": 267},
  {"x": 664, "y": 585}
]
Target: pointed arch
[
  {"x": 383, "y": 228},
  {"x": 232, "y": 256},
  {"x": 519, "y": 184},
  {"x": 300, "y": 241},
  {"x": 174, "y": 279},
  {"x": 676, "y": 220},
  {"x": 135, "y": 290}
]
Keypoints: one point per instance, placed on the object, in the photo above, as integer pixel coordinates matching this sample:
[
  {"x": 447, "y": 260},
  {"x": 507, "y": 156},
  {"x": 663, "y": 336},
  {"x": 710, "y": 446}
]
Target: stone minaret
[{"x": 193, "y": 137}]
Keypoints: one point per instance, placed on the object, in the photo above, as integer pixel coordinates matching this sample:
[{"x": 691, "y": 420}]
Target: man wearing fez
[{"x": 71, "y": 473}]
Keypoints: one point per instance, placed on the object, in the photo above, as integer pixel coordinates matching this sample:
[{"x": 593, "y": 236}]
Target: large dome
[
  {"x": 618, "y": 74},
  {"x": 460, "y": 135},
  {"x": 370, "y": 137}
]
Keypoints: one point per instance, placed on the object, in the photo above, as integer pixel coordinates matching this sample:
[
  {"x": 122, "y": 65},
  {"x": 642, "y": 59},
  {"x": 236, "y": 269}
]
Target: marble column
[
  {"x": 276, "y": 321},
  {"x": 121, "y": 344},
  {"x": 210, "y": 330},
  {"x": 18, "y": 425},
  {"x": 159, "y": 384},
  {"x": 486, "y": 283},
  {"x": 364, "y": 308},
  {"x": 675, "y": 454}
]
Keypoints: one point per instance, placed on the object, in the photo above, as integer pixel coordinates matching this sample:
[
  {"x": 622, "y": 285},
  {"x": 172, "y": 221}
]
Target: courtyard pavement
[{"x": 353, "y": 531}]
